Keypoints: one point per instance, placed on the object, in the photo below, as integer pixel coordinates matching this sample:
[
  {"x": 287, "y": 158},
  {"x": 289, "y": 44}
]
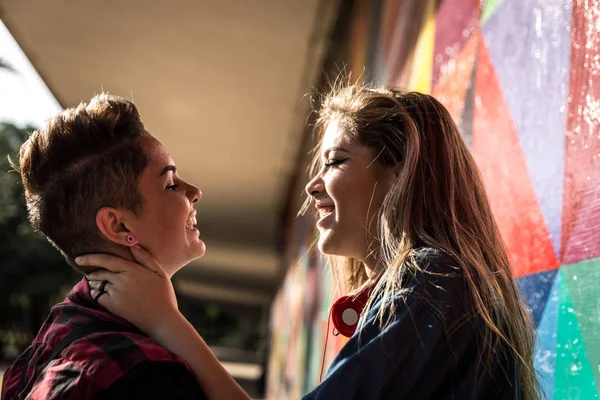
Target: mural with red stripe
[{"x": 522, "y": 80}]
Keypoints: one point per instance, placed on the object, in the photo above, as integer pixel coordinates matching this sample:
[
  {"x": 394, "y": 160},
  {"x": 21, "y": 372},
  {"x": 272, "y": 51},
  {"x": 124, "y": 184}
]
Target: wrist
[{"x": 168, "y": 326}]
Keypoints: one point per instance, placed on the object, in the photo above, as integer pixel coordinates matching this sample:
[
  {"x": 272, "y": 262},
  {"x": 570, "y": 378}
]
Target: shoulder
[
  {"x": 68, "y": 380},
  {"x": 440, "y": 283},
  {"x": 155, "y": 380},
  {"x": 434, "y": 261},
  {"x": 108, "y": 356},
  {"x": 125, "y": 344},
  {"x": 96, "y": 362}
]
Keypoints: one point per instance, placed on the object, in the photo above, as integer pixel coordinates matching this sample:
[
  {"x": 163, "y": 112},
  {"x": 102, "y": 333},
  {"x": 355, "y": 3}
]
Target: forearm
[{"x": 181, "y": 338}]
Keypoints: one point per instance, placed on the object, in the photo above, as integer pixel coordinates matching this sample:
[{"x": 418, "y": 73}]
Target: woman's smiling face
[
  {"x": 348, "y": 191},
  {"x": 166, "y": 224}
]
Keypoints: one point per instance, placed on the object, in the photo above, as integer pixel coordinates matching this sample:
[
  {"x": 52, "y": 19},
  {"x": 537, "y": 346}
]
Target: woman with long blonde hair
[{"x": 403, "y": 214}]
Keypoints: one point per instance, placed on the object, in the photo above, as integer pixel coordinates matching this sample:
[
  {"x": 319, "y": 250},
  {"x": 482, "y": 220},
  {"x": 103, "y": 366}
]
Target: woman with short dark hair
[{"x": 96, "y": 181}]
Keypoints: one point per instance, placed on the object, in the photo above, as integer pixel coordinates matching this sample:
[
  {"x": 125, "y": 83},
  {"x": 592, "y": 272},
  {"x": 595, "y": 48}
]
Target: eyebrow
[
  {"x": 167, "y": 169},
  {"x": 329, "y": 150}
]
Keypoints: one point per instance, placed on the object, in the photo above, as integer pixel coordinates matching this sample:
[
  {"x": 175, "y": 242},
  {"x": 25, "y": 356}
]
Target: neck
[
  {"x": 372, "y": 264},
  {"x": 123, "y": 252}
]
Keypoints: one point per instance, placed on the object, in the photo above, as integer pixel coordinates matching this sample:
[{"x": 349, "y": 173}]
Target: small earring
[{"x": 130, "y": 239}]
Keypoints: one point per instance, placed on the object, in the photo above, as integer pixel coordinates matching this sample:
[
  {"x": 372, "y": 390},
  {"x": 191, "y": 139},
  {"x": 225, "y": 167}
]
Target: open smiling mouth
[
  {"x": 324, "y": 212},
  {"x": 190, "y": 223}
]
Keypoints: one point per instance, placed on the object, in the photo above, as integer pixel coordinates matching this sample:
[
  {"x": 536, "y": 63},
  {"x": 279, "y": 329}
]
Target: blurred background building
[{"x": 223, "y": 85}]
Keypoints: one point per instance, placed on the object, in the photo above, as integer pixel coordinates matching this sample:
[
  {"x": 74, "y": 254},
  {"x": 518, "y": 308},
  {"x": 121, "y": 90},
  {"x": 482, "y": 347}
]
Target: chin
[
  {"x": 333, "y": 244},
  {"x": 196, "y": 251},
  {"x": 327, "y": 244},
  {"x": 200, "y": 250}
]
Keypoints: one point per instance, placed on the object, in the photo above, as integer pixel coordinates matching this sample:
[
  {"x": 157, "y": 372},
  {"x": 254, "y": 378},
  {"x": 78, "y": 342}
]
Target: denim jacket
[{"x": 431, "y": 349}]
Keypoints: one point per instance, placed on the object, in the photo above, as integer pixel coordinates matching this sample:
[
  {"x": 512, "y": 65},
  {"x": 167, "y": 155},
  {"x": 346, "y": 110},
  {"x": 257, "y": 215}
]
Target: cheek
[
  {"x": 174, "y": 220},
  {"x": 163, "y": 222},
  {"x": 353, "y": 197},
  {"x": 338, "y": 188},
  {"x": 165, "y": 236}
]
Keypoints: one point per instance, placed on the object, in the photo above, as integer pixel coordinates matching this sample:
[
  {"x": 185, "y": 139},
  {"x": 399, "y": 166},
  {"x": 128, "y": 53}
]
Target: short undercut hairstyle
[{"x": 83, "y": 159}]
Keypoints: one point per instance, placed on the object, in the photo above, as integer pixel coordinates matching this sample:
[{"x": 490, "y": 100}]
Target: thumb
[
  {"x": 143, "y": 257},
  {"x": 104, "y": 261}
]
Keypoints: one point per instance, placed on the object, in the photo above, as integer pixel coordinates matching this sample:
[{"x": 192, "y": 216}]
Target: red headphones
[{"x": 345, "y": 312}]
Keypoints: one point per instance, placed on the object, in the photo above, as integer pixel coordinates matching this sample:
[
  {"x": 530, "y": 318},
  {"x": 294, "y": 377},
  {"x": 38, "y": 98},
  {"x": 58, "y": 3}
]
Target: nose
[
  {"x": 193, "y": 193},
  {"x": 315, "y": 186}
]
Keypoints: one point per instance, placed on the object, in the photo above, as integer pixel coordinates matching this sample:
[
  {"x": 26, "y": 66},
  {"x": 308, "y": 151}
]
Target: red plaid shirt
[{"x": 88, "y": 366}]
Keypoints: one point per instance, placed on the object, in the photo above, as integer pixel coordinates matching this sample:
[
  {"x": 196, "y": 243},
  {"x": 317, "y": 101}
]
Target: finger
[
  {"x": 143, "y": 257},
  {"x": 106, "y": 261},
  {"x": 94, "y": 284},
  {"x": 102, "y": 275},
  {"x": 97, "y": 284},
  {"x": 97, "y": 287},
  {"x": 103, "y": 300}
]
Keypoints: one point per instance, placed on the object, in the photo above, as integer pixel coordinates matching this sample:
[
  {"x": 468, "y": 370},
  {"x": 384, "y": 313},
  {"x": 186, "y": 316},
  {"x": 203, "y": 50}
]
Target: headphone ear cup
[
  {"x": 346, "y": 311},
  {"x": 345, "y": 315}
]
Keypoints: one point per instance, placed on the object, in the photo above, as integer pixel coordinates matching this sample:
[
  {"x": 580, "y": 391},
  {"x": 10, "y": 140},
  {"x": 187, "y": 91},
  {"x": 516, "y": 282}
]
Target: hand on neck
[
  {"x": 126, "y": 254},
  {"x": 113, "y": 249}
]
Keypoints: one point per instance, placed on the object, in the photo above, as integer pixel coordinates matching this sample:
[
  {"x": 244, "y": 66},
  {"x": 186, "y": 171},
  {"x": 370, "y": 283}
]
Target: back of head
[
  {"x": 83, "y": 159},
  {"x": 438, "y": 199}
]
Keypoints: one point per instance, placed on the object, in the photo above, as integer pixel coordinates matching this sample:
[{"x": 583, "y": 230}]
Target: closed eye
[{"x": 333, "y": 163}]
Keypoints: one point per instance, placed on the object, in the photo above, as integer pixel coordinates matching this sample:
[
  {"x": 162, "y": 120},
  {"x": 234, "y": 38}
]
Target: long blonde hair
[{"x": 439, "y": 200}]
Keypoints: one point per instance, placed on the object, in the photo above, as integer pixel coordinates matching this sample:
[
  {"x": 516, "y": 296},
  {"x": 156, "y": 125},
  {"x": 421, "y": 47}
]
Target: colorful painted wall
[
  {"x": 299, "y": 320},
  {"x": 521, "y": 78}
]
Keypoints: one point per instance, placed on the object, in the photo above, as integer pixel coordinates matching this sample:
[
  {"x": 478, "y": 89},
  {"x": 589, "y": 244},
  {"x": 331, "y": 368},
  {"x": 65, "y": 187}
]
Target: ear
[{"x": 111, "y": 223}]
